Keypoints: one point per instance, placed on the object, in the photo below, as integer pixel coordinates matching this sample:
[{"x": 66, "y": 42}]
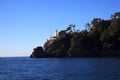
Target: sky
[{"x": 26, "y": 24}]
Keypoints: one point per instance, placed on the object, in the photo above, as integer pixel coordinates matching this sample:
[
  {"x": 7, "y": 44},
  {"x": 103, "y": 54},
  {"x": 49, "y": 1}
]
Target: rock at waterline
[{"x": 37, "y": 52}]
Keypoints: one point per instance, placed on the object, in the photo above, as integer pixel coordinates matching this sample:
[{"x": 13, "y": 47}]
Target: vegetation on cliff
[{"x": 100, "y": 38}]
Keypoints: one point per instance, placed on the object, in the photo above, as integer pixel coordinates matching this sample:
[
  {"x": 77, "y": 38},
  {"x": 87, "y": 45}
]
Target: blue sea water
[{"x": 24, "y": 68}]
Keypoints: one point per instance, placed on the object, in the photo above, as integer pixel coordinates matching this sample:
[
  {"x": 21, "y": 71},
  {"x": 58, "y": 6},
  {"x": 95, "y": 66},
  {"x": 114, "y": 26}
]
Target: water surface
[{"x": 24, "y": 68}]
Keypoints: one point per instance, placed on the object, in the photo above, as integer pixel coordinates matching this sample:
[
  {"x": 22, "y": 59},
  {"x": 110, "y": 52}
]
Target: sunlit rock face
[{"x": 56, "y": 48}]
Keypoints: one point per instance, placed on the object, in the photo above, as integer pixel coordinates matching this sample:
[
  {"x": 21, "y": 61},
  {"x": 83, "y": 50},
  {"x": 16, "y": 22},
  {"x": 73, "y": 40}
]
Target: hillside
[{"x": 101, "y": 38}]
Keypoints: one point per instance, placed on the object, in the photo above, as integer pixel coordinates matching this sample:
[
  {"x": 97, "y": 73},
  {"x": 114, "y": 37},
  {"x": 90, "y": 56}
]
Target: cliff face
[
  {"x": 62, "y": 48},
  {"x": 57, "y": 48},
  {"x": 52, "y": 48}
]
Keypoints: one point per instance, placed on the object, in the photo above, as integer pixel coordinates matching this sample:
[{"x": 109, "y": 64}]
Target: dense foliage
[{"x": 100, "y": 38}]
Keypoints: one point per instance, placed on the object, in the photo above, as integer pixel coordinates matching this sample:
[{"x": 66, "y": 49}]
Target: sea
[{"x": 25, "y": 68}]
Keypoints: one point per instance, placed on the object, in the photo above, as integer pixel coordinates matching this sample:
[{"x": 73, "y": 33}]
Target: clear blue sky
[{"x": 26, "y": 24}]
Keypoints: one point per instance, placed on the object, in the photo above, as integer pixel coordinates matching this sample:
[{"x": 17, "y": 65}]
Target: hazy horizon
[{"x": 26, "y": 24}]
